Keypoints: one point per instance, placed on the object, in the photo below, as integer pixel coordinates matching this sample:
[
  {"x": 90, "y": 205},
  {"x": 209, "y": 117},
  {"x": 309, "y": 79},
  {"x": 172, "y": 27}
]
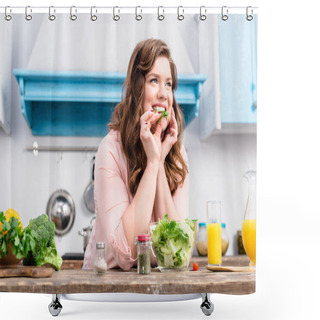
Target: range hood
[{"x": 65, "y": 103}]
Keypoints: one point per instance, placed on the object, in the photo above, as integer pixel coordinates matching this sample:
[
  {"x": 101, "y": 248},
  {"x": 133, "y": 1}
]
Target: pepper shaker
[{"x": 143, "y": 254}]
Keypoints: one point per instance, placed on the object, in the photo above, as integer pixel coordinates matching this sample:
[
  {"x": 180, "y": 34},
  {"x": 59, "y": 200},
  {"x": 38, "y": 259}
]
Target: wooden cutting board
[
  {"x": 25, "y": 271},
  {"x": 231, "y": 269}
]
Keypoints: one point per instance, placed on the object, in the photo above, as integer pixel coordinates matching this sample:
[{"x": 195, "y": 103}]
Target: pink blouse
[{"x": 112, "y": 197}]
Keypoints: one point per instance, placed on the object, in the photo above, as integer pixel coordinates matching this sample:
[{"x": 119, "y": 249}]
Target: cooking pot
[
  {"x": 61, "y": 210},
  {"x": 86, "y": 233}
]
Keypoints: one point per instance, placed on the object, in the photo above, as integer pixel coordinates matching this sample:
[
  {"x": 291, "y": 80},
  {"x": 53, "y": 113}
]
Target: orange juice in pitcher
[
  {"x": 249, "y": 239},
  {"x": 249, "y": 221}
]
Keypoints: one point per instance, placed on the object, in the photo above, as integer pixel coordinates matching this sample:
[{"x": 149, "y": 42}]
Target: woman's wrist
[{"x": 153, "y": 164}]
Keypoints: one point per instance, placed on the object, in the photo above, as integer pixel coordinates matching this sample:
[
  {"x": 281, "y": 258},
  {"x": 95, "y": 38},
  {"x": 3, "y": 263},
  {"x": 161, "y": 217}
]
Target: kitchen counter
[{"x": 115, "y": 280}]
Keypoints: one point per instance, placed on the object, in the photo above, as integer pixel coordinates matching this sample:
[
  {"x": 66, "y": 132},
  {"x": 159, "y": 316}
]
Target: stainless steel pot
[
  {"x": 86, "y": 233},
  {"x": 61, "y": 210}
]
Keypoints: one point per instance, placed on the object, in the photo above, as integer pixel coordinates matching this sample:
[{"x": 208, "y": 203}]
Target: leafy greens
[
  {"x": 173, "y": 241},
  {"x": 163, "y": 114},
  {"x": 35, "y": 243},
  {"x": 44, "y": 250}
]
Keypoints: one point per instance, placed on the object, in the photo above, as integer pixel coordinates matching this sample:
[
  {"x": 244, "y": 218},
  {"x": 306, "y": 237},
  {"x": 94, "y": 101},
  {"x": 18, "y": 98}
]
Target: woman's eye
[
  {"x": 154, "y": 80},
  {"x": 169, "y": 84}
]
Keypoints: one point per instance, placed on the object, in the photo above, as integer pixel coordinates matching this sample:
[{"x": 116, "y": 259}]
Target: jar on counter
[
  {"x": 224, "y": 239},
  {"x": 201, "y": 240},
  {"x": 240, "y": 243},
  {"x": 143, "y": 254},
  {"x": 100, "y": 264}
]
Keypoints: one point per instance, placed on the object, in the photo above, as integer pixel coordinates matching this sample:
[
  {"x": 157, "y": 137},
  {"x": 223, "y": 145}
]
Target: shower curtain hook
[
  {"x": 180, "y": 15},
  {"x": 116, "y": 17},
  {"x": 203, "y": 15},
  {"x": 52, "y": 16},
  {"x": 160, "y": 16},
  {"x": 138, "y": 16},
  {"x": 7, "y": 16},
  {"x": 249, "y": 17},
  {"x": 93, "y": 16},
  {"x": 28, "y": 15},
  {"x": 73, "y": 16},
  {"x": 224, "y": 13}
]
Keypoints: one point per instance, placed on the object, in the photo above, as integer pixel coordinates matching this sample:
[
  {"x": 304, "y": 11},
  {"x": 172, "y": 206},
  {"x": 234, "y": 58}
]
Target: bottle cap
[
  {"x": 223, "y": 225},
  {"x": 143, "y": 237},
  {"x": 100, "y": 245},
  {"x": 202, "y": 224}
]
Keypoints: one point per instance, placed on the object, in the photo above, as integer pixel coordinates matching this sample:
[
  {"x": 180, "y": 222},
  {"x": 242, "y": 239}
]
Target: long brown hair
[{"x": 126, "y": 116}]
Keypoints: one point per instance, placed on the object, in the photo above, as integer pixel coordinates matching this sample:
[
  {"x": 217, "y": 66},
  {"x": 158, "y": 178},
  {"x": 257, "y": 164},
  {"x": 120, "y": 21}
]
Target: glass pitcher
[{"x": 249, "y": 221}]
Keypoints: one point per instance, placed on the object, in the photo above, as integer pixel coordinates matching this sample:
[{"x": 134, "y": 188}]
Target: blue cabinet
[{"x": 56, "y": 103}]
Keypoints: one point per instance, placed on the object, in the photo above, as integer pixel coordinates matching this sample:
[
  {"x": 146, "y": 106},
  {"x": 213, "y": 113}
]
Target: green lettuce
[{"x": 173, "y": 241}]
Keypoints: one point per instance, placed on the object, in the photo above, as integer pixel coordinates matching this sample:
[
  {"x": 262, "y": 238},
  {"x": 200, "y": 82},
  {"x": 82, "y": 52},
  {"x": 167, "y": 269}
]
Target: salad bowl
[{"x": 172, "y": 243}]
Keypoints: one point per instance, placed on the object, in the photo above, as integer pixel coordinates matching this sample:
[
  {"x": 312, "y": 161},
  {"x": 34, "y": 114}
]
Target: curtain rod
[{"x": 127, "y": 10}]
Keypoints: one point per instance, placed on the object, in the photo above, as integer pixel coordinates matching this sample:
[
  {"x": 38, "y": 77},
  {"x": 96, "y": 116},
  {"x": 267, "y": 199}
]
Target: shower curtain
[{"x": 54, "y": 105}]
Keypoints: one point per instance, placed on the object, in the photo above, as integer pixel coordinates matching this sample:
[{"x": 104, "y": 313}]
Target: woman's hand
[
  {"x": 171, "y": 137},
  {"x": 151, "y": 142}
]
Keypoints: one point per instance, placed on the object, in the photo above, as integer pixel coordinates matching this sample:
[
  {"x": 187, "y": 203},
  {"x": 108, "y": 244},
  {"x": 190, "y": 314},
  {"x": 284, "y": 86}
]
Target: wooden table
[
  {"x": 116, "y": 280},
  {"x": 67, "y": 281}
]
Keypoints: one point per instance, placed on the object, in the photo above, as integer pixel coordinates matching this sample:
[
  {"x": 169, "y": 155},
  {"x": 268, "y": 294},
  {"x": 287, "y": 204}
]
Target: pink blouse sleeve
[
  {"x": 112, "y": 199},
  {"x": 181, "y": 196}
]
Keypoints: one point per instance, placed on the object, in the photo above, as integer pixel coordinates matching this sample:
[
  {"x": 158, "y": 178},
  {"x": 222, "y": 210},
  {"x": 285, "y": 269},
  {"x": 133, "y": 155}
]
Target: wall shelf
[{"x": 65, "y": 103}]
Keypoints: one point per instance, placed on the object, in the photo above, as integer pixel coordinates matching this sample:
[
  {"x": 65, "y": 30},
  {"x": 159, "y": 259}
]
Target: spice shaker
[
  {"x": 100, "y": 264},
  {"x": 143, "y": 254}
]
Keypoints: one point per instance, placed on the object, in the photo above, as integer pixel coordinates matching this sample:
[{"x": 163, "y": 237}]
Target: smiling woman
[{"x": 141, "y": 170}]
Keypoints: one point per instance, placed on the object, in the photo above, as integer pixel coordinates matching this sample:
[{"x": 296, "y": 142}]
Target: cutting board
[
  {"x": 25, "y": 271},
  {"x": 230, "y": 269}
]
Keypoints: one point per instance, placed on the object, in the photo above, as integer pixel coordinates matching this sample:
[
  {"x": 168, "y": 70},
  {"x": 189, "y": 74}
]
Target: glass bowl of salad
[{"x": 172, "y": 243}]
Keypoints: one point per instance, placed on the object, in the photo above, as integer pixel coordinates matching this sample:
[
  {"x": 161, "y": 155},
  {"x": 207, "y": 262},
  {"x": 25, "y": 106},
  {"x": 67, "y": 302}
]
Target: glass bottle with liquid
[{"x": 201, "y": 240}]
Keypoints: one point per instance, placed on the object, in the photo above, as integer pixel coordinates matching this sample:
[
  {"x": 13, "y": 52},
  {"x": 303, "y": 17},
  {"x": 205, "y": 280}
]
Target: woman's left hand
[{"x": 171, "y": 137}]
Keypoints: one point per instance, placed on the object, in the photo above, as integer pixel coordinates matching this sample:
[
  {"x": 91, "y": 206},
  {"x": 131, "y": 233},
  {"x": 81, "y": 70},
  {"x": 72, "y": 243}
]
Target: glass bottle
[
  {"x": 100, "y": 264},
  {"x": 143, "y": 254},
  {"x": 249, "y": 221},
  {"x": 201, "y": 240},
  {"x": 224, "y": 239}
]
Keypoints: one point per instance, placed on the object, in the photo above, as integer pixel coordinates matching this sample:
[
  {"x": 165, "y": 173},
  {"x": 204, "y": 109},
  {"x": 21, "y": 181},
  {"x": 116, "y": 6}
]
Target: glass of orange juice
[{"x": 214, "y": 232}]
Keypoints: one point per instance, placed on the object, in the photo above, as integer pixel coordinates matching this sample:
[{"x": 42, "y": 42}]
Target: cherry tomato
[{"x": 195, "y": 266}]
